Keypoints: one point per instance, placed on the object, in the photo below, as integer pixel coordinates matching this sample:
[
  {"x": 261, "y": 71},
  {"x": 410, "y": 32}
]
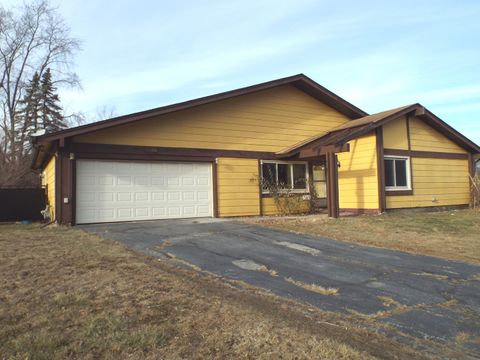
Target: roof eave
[
  {"x": 300, "y": 81},
  {"x": 416, "y": 109}
]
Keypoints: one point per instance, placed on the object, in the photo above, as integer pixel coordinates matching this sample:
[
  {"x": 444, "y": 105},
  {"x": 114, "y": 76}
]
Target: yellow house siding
[
  {"x": 395, "y": 134},
  {"x": 425, "y": 138},
  {"x": 49, "y": 182},
  {"x": 357, "y": 175},
  {"x": 297, "y": 206},
  {"x": 238, "y": 188},
  {"x": 436, "y": 182},
  {"x": 269, "y": 120}
]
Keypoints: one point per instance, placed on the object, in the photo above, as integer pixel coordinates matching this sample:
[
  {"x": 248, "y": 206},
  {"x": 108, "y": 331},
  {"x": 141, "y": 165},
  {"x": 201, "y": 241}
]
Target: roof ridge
[{"x": 300, "y": 81}]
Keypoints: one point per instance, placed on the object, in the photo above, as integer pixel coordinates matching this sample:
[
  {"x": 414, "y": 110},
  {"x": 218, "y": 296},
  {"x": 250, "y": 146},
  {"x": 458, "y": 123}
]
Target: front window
[
  {"x": 286, "y": 176},
  {"x": 397, "y": 173}
]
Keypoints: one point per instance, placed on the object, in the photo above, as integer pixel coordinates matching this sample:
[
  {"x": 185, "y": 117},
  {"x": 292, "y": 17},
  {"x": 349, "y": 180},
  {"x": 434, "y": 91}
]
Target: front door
[{"x": 320, "y": 185}]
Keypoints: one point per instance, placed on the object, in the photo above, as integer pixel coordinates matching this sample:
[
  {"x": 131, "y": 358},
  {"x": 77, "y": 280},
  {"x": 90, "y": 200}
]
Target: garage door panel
[{"x": 124, "y": 191}]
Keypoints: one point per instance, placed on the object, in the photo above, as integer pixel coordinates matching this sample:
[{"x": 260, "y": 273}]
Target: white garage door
[{"x": 110, "y": 191}]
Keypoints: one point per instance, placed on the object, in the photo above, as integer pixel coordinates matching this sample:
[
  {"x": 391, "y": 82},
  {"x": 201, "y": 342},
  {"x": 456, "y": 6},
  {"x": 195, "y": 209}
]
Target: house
[{"x": 206, "y": 157}]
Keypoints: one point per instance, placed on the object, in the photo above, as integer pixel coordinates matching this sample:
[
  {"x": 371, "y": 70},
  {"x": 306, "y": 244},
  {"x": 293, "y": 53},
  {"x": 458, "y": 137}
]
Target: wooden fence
[{"x": 21, "y": 204}]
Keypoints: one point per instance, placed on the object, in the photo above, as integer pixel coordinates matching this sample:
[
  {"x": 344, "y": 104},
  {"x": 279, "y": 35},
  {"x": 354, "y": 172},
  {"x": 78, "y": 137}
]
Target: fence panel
[{"x": 21, "y": 204}]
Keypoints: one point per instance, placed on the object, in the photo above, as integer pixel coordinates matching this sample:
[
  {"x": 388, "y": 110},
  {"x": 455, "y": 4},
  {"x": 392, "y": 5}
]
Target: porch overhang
[{"x": 316, "y": 151}]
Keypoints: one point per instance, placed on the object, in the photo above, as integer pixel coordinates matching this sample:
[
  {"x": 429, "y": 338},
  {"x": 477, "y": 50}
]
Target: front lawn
[
  {"x": 448, "y": 234},
  {"x": 65, "y": 294}
]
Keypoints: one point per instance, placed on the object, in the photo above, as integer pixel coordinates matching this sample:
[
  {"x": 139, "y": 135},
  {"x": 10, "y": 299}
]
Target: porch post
[
  {"x": 66, "y": 185},
  {"x": 332, "y": 185}
]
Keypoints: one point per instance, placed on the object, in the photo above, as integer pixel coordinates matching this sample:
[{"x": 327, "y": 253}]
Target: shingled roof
[{"x": 355, "y": 128}]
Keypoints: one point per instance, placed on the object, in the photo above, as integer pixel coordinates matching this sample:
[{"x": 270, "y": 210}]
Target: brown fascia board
[
  {"x": 365, "y": 129},
  {"x": 342, "y": 136},
  {"x": 300, "y": 81},
  {"x": 41, "y": 155},
  {"x": 450, "y": 132},
  {"x": 427, "y": 116}
]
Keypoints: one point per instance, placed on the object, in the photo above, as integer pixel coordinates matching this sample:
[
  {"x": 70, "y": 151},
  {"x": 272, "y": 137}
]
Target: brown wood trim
[
  {"x": 332, "y": 185},
  {"x": 431, "y": 208},
  {"x": 64, "y": 185},
  {"x": 382, "y": 202},
  {"x": 307, "y": 153},
  {"x": 260, "y": 195},
  {"x": 409, "y": 139},
  {"x": 425, "y": 154},
  {"x": 267, "y": 195},
  {"x": 300, "y": 81},
  {"x": 448, "y": 131},
  {"x": 58, "y": 189},
  {"x": 81, "y": 149},
  {"x": 398, "y": 192},
  {"x": 351, "y": 211},
  {"x": 429, "y": 119},
  {"x": 215, "y": 189},
  {"x": 73, "y": 164},
  {"x": 471, "y": 165},
  {"x": 145, "y": 157}
]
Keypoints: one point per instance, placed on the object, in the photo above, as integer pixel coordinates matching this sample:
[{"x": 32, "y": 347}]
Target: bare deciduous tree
[
  {"x": 105, "y": 112},
  {"x": 33, "y": 38}
]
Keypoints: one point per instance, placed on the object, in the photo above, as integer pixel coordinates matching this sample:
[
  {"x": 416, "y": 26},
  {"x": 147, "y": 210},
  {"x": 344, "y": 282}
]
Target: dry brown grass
[
  {"x": 449, "y": 234},
  {"x": 313, "y": 287},
  {"x": 68, "y": 294}
]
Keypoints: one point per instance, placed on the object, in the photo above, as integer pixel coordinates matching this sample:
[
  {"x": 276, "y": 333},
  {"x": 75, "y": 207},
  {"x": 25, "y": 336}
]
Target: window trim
[
  {"x": 408, "y": 174},
  {"x": 292, "y": 191}
]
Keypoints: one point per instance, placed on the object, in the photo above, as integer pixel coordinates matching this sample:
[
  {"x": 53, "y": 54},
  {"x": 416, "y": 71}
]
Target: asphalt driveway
[{"x": 418, "y": 296}]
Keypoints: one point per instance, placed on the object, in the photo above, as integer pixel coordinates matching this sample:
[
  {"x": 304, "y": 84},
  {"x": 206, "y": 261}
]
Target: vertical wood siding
[
  {"x": 436, "y": 182},
  {"x": 237, "y": 184},
  {"x": 49, "y": 183},
  {"x": 269, "y": 120},
  {"x": 395, "y": 134},
  {"x": 357, "y": 175}
]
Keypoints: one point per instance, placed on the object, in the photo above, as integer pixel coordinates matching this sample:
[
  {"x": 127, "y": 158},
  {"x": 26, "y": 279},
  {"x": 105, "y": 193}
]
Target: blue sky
[{"x": 376, "y": 54}]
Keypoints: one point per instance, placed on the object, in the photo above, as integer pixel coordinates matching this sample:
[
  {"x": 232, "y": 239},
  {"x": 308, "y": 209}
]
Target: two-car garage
[{"x": 110, "y": 191}]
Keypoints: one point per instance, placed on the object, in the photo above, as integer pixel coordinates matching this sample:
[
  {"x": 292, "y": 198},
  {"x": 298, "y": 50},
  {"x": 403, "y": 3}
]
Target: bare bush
[{"x": 475, "y": 191}]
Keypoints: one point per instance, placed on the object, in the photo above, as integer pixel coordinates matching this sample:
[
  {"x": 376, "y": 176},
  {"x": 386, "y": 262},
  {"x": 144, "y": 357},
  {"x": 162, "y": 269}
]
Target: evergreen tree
[
  {"x": 29, "y": 113},
  {"x": 50, "y": 109}
]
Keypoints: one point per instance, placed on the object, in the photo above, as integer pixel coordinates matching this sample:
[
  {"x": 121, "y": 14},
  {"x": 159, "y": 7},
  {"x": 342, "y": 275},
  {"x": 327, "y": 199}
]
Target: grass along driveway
[
  {"x": 449, "y": 234},
  {"x": 68, "y": 294}
]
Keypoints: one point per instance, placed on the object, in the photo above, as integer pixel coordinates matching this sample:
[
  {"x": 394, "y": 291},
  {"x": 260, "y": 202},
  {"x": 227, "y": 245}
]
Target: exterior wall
[
  {"x": 299, "y": 206},
  {"x": 425, "y": 138},
  {"x": 436, "y": 182},
  {"x": 239, "y": 192},
  {"x": 357, "y": 175},
  {"x": 238, "y": 188},
  {"x": 49, "y": 182},
  {"x": 395, "y": 134},
  {"x": 269, "y": 120}
]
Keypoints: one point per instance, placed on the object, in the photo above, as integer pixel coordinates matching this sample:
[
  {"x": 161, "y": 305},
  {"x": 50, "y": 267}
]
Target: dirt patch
[
  {"x": 450, "y": 234},
  {"x": 68, "y": 294}
]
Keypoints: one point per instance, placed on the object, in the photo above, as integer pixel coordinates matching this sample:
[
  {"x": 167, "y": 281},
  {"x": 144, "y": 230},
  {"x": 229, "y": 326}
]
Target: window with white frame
[
  {"x": 290, "y": 176},
  {"x": 397, "y": 173}
]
